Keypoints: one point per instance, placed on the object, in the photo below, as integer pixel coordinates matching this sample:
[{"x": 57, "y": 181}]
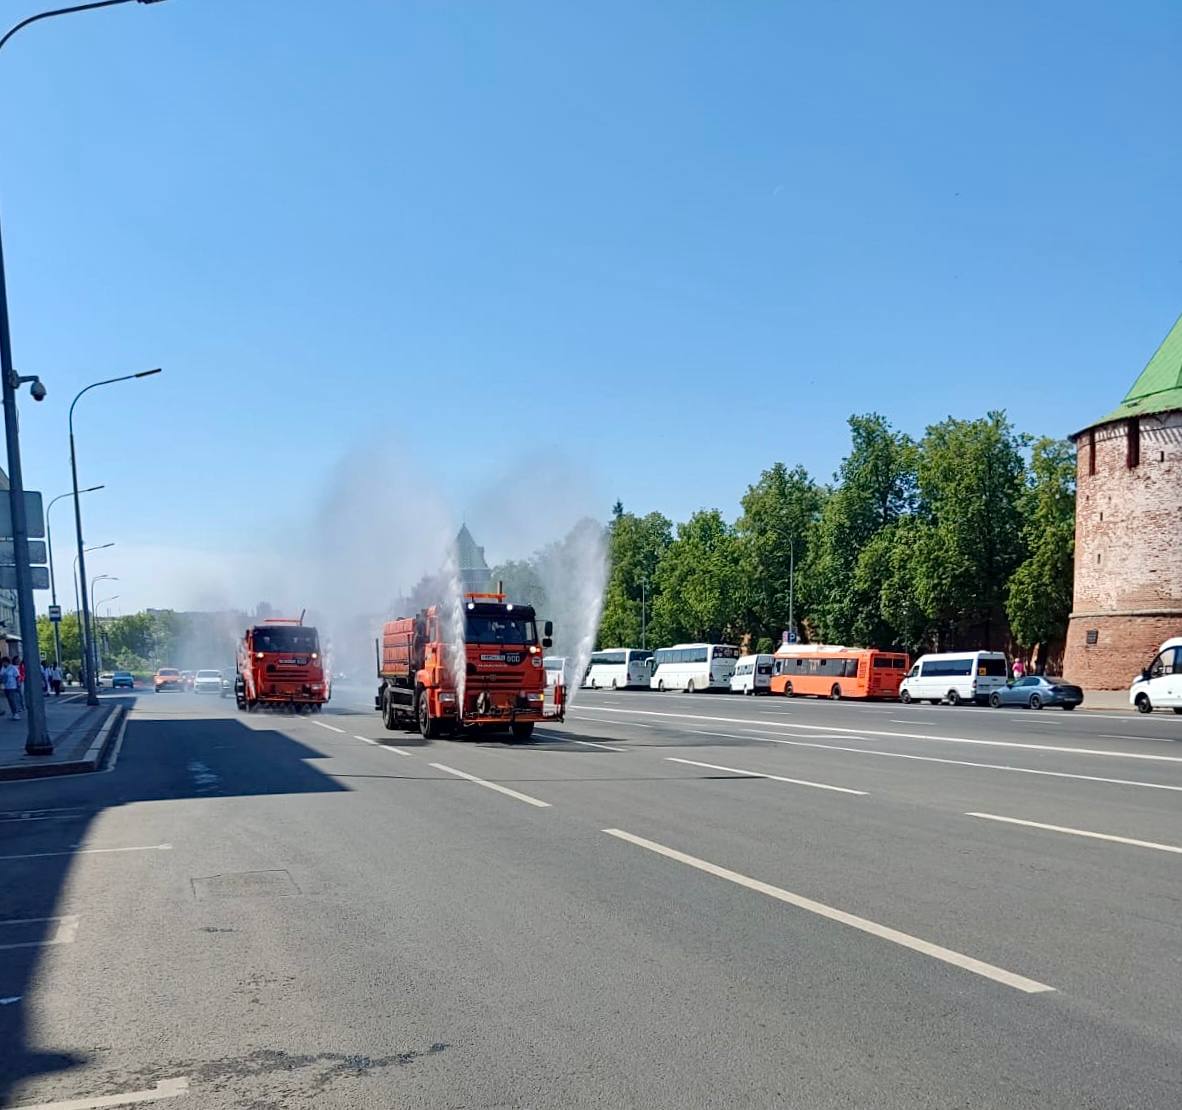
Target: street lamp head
[
  {"x": 89, "y": 489},
  {"x": 159, "y": 369}
]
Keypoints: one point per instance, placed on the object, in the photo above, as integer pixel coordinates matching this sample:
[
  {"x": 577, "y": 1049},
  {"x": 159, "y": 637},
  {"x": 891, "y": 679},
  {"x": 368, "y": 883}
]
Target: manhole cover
[{"x": 245, "y": 884}]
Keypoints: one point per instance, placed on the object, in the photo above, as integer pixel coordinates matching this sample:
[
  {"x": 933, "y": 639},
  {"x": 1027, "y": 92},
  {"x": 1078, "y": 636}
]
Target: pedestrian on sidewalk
[
  {"x": 10, "y": 679},
  {"x": 55, "y": 680},
  {"x": 1019, "y": 668}
]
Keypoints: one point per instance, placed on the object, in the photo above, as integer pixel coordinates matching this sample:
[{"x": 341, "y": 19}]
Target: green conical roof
[{"x": 1158, "y": 388}]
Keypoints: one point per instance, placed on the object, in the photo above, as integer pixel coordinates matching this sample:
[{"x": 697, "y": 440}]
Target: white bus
[
  {"x": 693, "y": 667},
  {"x": 618, "y": 668}
]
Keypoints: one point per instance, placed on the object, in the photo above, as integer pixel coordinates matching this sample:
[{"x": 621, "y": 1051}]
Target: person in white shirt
[{"x": 10, "y": 682}]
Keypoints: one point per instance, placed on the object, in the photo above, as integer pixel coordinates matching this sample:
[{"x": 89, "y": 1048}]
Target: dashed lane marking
[
  {"x": 92, "y": 851},
  {"x": 65, "y": 931},
  {"x": 884, "y": 932},
  {"x": 757, "y": 724},
  {"x": 379, "y": 744},
  {"x": 1079, "y": 832},
  {"x": 761, "y": 775},
  {"x": 938, "y": 759},
  {"x": 492, "y": 786},
  {"x": 331, "y": 728},
  {"x": 166, "y": 1088}
]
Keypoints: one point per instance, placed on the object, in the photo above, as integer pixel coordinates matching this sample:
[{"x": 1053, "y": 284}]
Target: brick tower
[{"x": 1128, "y": 528}]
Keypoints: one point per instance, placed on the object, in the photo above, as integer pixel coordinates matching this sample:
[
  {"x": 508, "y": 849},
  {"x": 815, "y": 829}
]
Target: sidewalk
[{"x": 81, "y": 736}]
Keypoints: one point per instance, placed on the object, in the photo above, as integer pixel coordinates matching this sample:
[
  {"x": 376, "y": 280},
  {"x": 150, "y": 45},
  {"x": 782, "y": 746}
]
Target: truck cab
[
  {"x": 280, "y": 664},
  {"x": 485, "y": 673}
]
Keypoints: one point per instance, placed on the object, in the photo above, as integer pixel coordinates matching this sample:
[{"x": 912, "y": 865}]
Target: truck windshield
[
  {"x": 499, "y": 630},
  {"x": 299, "y": 639}
]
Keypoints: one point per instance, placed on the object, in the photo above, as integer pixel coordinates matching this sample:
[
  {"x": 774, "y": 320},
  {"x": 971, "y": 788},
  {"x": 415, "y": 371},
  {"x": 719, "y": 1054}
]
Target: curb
[{"x": 91, "y": 761}]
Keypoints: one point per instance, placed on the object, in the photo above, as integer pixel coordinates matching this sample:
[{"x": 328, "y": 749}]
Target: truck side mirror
[
  {"x": 546, "y": 641},
  {"x": 548, "y": 629}
]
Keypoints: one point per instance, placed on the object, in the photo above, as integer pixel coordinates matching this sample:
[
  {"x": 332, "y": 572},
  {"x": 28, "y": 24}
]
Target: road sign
[
  {"x": 55, "y": 613},
  {"x": 40, "y": 578},
  {"x": 37, "y": 552},
  {"x": 34, "y": 516},
  {"x": 788, "y": 637}
]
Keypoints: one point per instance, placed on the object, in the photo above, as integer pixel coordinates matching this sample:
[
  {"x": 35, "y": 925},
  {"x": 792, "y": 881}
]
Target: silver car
[
  {"x": 207, "y": 682},
  {"x": 1036, "y": 690}
]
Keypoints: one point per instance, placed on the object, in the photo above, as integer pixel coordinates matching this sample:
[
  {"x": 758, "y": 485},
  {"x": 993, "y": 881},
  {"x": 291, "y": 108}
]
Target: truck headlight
[
  {"x": 533, "y": 697},
  {"x": 447, "y": 695}
]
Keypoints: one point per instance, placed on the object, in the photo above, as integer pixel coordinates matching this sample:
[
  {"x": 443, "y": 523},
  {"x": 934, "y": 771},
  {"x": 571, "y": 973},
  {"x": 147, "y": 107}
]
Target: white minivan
[
  {"x": 955, "y": 677},
  {"x": 753, "y": 674},
  {"x": 1160, "y": 684}
]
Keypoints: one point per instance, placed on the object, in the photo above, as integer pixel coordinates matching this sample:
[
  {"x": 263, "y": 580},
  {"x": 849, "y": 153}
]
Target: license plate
[{"x": 293, "y": 662}]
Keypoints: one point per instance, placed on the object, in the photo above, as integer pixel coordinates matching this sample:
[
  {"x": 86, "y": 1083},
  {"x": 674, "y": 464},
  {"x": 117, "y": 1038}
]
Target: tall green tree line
[{"x": 961, "y": 538}]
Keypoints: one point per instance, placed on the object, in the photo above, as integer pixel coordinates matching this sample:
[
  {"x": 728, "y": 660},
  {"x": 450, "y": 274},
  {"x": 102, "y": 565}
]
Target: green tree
[
  {"x": 636, "y": 546},
  {"x": 971, "y": 481},
  {"x": 522, "y": 583},
  {"x": 698, "y": 596},
  {"x": 1038, "y": 596},
  {"x": 875, "y": 487},
  {"x": 775, "y": 533}
]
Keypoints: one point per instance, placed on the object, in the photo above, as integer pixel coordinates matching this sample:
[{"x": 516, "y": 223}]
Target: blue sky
[{"x": 648, "y": 248}]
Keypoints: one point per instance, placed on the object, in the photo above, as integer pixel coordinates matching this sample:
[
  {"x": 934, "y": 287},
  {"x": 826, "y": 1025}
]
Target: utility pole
[{"x": 37, "y": 741}]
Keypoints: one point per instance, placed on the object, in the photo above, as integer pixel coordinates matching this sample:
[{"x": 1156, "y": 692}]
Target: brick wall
[{"x": 1128, "y": 549}]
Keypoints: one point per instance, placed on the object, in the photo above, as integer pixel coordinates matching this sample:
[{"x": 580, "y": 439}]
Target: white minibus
[
  {"x": 618, "y": 668},
  {"x": 753, "y": 674},
  {"x": 955, "y": 677},
  {"x": 694, "y": 667}
]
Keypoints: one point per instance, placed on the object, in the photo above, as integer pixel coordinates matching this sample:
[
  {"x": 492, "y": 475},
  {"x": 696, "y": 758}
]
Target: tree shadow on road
[{"x": 42, "y": 823}]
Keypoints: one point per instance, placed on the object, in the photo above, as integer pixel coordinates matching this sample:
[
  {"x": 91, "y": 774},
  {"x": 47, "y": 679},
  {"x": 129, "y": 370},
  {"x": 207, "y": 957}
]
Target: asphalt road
[{"x": 669, "y": 901}]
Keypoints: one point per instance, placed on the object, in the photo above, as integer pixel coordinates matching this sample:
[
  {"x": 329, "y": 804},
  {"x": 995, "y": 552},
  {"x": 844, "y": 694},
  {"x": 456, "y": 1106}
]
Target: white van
[
  {"x": 753, "y": 674},
  {"x": 955, "y": 677},
  {"x": 1160, "y": 684},
  {"x": 618, "y": 668}
]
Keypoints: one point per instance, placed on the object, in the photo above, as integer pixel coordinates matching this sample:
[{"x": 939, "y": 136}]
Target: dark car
[
  {"x": 122, "y": 679},
  {"x": 1036, "y": 690}
]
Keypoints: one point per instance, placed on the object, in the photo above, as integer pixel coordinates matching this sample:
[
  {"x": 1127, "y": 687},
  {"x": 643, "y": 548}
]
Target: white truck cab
[{"x": 1160, "y": 684}]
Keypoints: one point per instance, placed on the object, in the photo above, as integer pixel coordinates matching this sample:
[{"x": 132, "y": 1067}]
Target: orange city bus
[{"x": 838, "y": 672}]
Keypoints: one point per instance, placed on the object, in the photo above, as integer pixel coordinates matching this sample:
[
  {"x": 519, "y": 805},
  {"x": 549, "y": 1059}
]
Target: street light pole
[
  {"x": 98, "y": 631},
  {"x": 57, "y": 625},
  {"x": 643, "y": 613},
  {"x": 91, "y": 689},
  {"x": 93, "y": 626},
  {"x": 83, "y": 631},
  {"x": 37, "y": 741},
  {"x": 792, "y": 589}
]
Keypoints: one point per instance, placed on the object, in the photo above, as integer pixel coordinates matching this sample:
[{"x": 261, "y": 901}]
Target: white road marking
[
  {"x": 916, "y": 944},
  {"x": 166, "y": 1088},
  {"x": 584, "y": 743},
  {"x": 1120, "y": 736},
  {"x": 331, "y": 728},
  {"x": 761, "y": 775},
  {"x": 631, "y": 724},
  {"x": 379, "y": 744},
  {"x": 754, "y": 723},
  {"x": 93, "y": 851},
  {"x": 1080, "y": 832},
  {"x": 492, "y": 786},
  {"x": 938, "y": 759},
  {"x": 65, "y": 933}
]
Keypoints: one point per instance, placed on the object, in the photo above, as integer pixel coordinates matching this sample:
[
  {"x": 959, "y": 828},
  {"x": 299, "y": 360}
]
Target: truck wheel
[
  {"x": 428, "y": 725},
  {"x": 522, "y": 730},
  {"x": 389, "y": 718}
]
